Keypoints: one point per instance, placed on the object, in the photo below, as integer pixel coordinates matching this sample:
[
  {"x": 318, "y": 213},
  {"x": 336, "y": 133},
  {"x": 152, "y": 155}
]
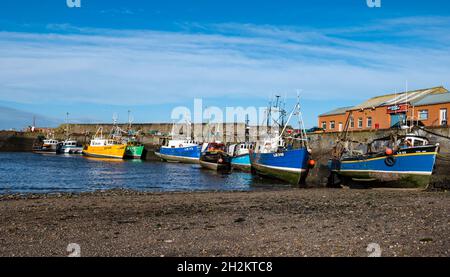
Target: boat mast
[
  {"x": 129, "y": 120},
  {"x": 67, "y": 125},
  {"x": 301, "y": 124},
  {"x": 247, "y": 129},
  {"x": 269, "y": 115}
]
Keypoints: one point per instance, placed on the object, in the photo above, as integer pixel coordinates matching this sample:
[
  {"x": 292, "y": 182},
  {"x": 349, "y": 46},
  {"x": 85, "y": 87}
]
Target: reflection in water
[
  {"x": 105, "y": 159},
  {"x": 27, "y": 172}
]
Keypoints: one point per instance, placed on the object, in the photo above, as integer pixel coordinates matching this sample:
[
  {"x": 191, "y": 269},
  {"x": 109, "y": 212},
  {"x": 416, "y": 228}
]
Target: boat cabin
[
  {"x": 214, "y": 147},
  {"x": 181, "y": 143},
  {"x": 70, "y": 143},
  {"x": 103, "y": 142},
  {"x": 270, "y": 146},
  {"x": 50, "y": 142},
  {"x": 240, "y": 149},
  {"x": 401, "y": 142},
  {"x": 412, "y": 141}
]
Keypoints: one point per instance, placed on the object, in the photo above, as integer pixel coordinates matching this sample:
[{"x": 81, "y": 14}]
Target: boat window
[
  {"x": 406, "y": 143},
  {"x": 418, "y": 143}
]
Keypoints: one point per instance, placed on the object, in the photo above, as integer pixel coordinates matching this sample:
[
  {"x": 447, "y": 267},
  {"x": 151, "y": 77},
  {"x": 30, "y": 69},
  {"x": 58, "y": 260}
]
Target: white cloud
[{"x": 138, "y": 67}]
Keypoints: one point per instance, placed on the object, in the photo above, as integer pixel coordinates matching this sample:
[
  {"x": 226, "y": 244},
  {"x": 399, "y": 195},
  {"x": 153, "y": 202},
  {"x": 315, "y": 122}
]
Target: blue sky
[{"x": 151, "y": 56}]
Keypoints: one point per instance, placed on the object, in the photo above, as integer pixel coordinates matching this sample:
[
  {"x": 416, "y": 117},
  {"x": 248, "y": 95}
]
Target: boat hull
[
  {"x": 45, "y": 149},
  {"x": 408, "y": 168},
  {"x": 241, "y": 163},
  {"x": 290, "y": 166},
  {"x": 134, "y": 152},
  {"x": 215, "y": 166},
  {"x": 112, "y": 151},
  {"x": 188, "y": 155},
  {"x": 70, "y": 150}
]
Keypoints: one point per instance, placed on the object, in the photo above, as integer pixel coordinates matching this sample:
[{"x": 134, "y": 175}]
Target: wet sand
[{"x": 295, "y": 222}]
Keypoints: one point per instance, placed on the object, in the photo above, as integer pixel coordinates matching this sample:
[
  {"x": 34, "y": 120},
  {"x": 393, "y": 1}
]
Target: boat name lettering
[{"x": 278, "y": 155}]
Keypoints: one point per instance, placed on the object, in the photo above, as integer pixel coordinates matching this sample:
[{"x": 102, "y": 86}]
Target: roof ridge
[
  {"x": 345, "y": 109},
  {"x": 409, "y": 91}
]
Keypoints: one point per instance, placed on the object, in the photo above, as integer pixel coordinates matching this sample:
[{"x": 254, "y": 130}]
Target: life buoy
[{"x": 390, "y": 161}]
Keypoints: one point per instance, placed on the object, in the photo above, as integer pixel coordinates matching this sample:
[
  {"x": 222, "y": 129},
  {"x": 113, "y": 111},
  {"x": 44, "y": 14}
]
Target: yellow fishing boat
[{"x": 100, "y": 147}]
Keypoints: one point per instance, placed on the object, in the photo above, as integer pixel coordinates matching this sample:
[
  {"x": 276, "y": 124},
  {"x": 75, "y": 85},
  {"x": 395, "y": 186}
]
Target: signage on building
[{"x": 397, "y": 108}]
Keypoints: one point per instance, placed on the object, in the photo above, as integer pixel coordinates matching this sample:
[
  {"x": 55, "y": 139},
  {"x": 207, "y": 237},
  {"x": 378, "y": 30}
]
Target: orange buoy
[
  {"x": 389, "y": 151},
  {"x": 312, "y": 163}
]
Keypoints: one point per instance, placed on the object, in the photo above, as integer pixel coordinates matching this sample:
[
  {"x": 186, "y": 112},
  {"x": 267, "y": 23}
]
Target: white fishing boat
[
  {"x": 70, "y": 147},
  {"x": 47, "y": 146}
]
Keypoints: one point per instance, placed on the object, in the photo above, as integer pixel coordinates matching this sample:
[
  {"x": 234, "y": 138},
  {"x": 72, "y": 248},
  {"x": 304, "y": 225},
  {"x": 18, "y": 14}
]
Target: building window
[
  {"x": 324, "y": 125},
  {"x": 423, "y": 114},
  {"x": 443, "y": 117},
  {"x": 369, "y": 122},
  {"x": 352, "y": 122},
  {"x": 360, "y": 123},
  {"x": 332, "y": 125}
]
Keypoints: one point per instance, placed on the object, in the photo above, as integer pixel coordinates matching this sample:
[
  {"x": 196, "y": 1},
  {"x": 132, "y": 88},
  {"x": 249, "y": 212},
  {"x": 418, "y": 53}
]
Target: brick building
[{"x": 430, "y": 107}]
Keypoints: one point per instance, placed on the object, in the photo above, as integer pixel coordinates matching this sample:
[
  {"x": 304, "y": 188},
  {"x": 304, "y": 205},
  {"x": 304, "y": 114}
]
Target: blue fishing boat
[
  {"x": 240, "y": 156},
  {"x": 182, "y": 151},
  {"x": 404, "y": 161},
  {"x": 285, "y": 158},
  {"x": 281, "y": 162}
]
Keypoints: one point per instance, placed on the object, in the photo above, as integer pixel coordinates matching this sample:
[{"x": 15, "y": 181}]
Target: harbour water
[{"x": 35, "y": 173}]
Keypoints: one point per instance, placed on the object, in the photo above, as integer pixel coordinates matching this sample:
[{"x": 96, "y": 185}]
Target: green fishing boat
[{"x": 134, "y": 150}]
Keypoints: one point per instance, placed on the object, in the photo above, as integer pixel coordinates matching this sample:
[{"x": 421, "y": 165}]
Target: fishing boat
[
  {"x": 101, "y": 147},
  {"x": 405, "y": 161},
  {"x": 47, "y": 146},
  {"x": 215, "y": 157},
  {"x": 274, "y": 157},
  {"x": 181, "y": 151},
  {"x": 69, "y": 147},
  {"x": 135, "y": 150},
  {"x": 240, "y": 156}
]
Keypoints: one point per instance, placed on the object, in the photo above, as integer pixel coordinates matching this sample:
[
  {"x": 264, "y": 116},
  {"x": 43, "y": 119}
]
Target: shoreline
[{"x": 288, "y": 222}]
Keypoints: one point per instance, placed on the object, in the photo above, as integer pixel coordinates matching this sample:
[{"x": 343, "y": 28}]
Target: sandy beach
[{"x": 294, "y": 222}]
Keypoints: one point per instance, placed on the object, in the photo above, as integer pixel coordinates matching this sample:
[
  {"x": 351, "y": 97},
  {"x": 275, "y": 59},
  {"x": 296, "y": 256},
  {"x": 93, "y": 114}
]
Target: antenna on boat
[
  {"x": 67, "y": 125},
  {"x": 269, "y": 114},
  {"x": 129, "y": 119},
  {"x": 303, "y": 134},
  {"x": 406, "y": 102},
  {"x": 115, "y": 118}
]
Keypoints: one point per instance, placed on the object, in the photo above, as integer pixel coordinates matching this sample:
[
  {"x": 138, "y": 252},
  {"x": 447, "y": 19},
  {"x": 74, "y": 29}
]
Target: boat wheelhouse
[
  {"x": 215, "y": 157},
  {"x": 70, "y": 147},
  {"x": 240, "y": 155}
]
